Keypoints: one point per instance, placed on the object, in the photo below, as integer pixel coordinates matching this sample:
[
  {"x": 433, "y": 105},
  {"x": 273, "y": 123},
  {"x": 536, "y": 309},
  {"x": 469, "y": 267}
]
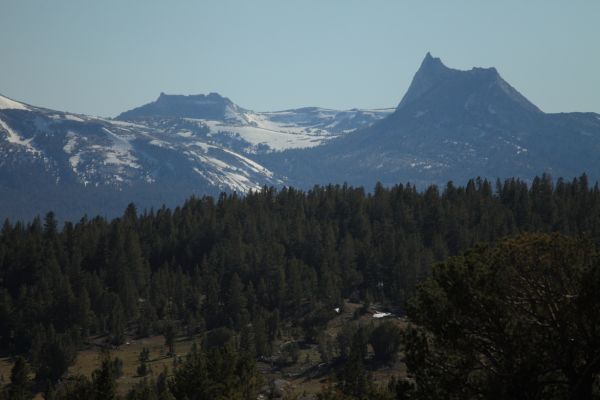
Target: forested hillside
[{"x": 257, "y": 265}]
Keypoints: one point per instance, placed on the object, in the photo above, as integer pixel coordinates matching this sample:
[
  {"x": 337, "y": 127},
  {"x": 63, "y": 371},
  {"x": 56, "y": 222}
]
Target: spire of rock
[{"x": 430, "y": 72}]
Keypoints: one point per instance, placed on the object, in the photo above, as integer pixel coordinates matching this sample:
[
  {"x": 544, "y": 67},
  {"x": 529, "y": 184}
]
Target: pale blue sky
[{"x": 104, "y": 57}]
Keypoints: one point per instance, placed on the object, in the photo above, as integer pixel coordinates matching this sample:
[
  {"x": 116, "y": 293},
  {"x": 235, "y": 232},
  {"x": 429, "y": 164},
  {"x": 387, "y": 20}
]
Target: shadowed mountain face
[
  {"x": 450, "y": 125},
  {"x": 455, "y": 125},
  {"x": 447, "y": 90}
]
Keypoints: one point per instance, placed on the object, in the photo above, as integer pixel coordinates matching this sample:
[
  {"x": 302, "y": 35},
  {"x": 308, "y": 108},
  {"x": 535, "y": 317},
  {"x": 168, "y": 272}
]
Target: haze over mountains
[{"x": 450, "y": 125}]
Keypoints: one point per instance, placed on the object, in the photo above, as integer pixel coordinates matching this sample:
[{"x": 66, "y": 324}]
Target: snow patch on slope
[
  {"x": 291, "y": 129},
  {"x": 74, "y": 161},
  {"x": 14, "y": 138},
  {"x": 120, "y": 152},
  {"x": 256, "y": 167},
  {"x": 237, "y": 175},
  {"x": 71, "y": 142},
  {"x": 71, "y": 117},
  {"x": 69, "y": 147},
  {"x": 8, "y": 104},
  {"x": 278, "y": 138}
]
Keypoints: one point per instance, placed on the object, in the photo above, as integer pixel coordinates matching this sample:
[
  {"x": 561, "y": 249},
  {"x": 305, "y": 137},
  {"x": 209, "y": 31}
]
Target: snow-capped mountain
[
  {"x": 453, "y": 125},
  {"x": 191, "y": 144},
  {"x": 45, "y": 154},
  {"x": 252, "y": 132},
  {"x": 100, "y": 152}
]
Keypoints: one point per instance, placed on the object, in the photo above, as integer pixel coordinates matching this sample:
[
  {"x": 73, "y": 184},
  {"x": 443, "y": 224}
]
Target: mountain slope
[
  {"x": 248, "y": 131},
  {"x": 454, "y": 125},
  {"x": 166, "y": 151},
  {"x": 45, "y": 154}
]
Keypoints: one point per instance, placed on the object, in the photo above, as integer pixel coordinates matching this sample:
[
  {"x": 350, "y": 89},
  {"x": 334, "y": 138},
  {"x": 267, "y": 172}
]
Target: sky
[{"x": 105, "y": 57}]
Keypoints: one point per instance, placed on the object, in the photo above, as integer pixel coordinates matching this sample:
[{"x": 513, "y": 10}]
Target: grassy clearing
[
  {"x": 89, "y": 359},
  {"x": 307, "y": 376}
]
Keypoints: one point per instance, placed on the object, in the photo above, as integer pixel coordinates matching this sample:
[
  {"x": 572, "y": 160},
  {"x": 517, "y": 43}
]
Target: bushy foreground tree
[{"x": 516, "y": 320}]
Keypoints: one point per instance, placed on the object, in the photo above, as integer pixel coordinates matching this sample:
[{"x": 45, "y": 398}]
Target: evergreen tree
[
  {"x": 54, "y": 355},
  {"x": 236, "y": 301},
  {"x": 19, "y": 381},
  {"x": 169, "y": 332},
  {"x": 143, "y": 390},
  {"x": 104, "y": 380},
  {"x": 353, "y": 379},
  {"x": 522, "y": 316},
  {"x": 117, "y": 322},
  {"x": 144, "y": 357},
  {"x": 385, "y": 340}
]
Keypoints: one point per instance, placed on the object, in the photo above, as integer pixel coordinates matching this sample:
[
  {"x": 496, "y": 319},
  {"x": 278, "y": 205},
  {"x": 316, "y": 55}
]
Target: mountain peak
[
  {"x": 211, "y": 106},
  {"x": 432, "y": 63},
  {"x": 212, "y": 96},
  {"x": 431, "y": 71},
  {"x": 472, "y": 89}
]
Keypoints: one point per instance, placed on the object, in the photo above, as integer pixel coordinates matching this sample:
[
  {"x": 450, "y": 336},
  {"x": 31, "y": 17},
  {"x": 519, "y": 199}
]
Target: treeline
[{"x": 257, "y": 264}]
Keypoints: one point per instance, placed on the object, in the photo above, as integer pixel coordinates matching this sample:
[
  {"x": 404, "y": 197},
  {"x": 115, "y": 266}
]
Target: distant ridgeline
[{"x": 451, "y": 125}]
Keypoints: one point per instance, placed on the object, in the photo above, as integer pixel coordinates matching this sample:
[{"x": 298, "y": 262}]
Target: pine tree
[
  {"x": 104, "y": 381},
  {"x": 385, "y": 340},
  {"x": 169, "y": 332},
  {"x": 236, "y": 301},
  {"x": 53, "y": 355},
  {"x": 19, "y": 381},
  {"x": 117, "y": 322},
  {"x": 144, "y": 357},
  {"x": 261, "y": 338}
]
